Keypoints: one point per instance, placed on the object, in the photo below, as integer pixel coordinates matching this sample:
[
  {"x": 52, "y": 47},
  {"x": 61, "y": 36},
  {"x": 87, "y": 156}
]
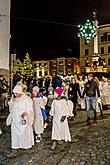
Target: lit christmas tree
[{"x": 27, "y": 66}]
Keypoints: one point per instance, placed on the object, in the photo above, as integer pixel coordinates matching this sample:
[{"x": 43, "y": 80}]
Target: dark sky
[{"x": 48, "y": 40}]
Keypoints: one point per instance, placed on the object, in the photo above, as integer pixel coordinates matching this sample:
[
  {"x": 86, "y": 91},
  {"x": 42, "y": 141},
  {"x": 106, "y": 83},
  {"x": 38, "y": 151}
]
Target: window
[
  {"x": 86, "y": 52},
  {"x": 40, "y": 73},
  {"x": 109, "y": 61},
  {"x": 105, "y": 37},
  {"x": 40, "y": 66},
  {"x": 102, "y": 38},
  {"x": 46, "y": 73},
  {"x": 108, "y": 49},
  {"x": 60, "y": 62},
  {"x": 69, "y": 71},
  {"x": 69, "y": 62},
  {"x": 34, "y": 65},
  {"x": 45, "y": 64},
  {"x": 54, "y": 64},
  {"x": 102, "y": 50},
  {"x": 109, "y": 37}
]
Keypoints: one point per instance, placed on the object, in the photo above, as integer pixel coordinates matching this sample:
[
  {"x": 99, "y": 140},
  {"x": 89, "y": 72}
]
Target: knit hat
[
  {"x": 35, "y": 89},
  {"x": 17, "y": 89},
  {"x": 58, "y": 90}
]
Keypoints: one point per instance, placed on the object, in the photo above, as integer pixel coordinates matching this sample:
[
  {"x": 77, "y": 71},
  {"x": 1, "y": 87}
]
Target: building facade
[
  {"x": 87, "y": 49},
  {"x": 4, "y": 33},
  {"x": 41, "y": 68},
  {"x": 62, "y": 66}
]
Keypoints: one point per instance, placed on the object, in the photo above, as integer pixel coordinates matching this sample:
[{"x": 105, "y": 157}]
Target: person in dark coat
[
  {"x": 57, "y": 82},
  {"x": 17, "y": 77},
  {"x": 91, "y": 90},
  {"x": 72, "y": 94}
]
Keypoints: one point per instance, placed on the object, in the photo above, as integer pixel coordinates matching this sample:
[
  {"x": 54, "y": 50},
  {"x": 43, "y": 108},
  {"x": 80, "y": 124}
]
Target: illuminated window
[
  {"x": 54, "y": 64},
  {"x": 69, "y": 62},
  {"x": 40, "y": 65},
  {"x": 60, "y": 62},
  {"x": 45, "y": 65}
]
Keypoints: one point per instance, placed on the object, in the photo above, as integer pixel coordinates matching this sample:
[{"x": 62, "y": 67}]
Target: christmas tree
[{"x": 27, "y": 66}]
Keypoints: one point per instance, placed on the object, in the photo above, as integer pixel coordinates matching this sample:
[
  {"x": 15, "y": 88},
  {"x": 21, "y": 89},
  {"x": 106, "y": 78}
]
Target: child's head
[
  {"x": 58, "y": 92},
  {"x": 35, "y": 91}
]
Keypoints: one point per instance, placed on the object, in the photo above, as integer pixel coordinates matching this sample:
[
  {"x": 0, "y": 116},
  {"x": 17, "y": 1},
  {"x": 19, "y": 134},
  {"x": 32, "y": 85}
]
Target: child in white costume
[
  {"x": 38, "y": 121},
  {"x": 60, "y": 111}
]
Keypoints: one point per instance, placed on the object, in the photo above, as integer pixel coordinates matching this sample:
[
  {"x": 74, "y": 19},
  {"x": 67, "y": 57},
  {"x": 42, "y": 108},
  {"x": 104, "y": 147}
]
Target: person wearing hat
[
  {"x": 20, "y": 118},
  {"x": 38, "y": 121},
  {"x": 59, "y": 111}
]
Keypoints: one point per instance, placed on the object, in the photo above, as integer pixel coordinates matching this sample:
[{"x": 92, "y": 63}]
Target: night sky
[{"x": 32, "y": 31}]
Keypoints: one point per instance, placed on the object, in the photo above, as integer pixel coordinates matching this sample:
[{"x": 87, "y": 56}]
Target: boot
[
  {"x": 74, "y": 112},
  {"x": 12, "y": 154},
  {"x": 60, "y": 142},
  {"x": 95, "y": 116},
  {"x": 54, "y": 145},
  {"x": 88, "y": 120}
]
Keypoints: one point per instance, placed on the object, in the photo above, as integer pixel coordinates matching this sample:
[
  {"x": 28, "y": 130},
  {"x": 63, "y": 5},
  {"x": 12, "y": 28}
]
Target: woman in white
[
  {"x": 21, "y": 119},
  {"x": 59, "y": 111}
]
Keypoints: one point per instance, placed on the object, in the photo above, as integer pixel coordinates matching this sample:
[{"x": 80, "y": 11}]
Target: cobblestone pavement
[{"x": 90, "y": 145}]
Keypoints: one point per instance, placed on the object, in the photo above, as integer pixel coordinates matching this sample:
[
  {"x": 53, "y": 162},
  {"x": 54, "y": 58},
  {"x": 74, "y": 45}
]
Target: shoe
[
  {"x": 60, "y": 142},
  {"x": 45, "y": 125},
  {"x": 75, "y": 114},
  {"x": 38, "y": 139},
  {"x": 95, "y": 116},
  {"x": 12, "y": 154},
  {"x": 88, "y": 120},
  {"x": 0, "y": 131},
  {"x": 53, "y": 145}
]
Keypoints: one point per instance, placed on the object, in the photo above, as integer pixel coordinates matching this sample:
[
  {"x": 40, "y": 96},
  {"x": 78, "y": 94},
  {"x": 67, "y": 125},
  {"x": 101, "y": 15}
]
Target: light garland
[{"x": 88, "y": 30}]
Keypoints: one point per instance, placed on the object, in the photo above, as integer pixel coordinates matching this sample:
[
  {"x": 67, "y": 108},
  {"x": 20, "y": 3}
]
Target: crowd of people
[{"x": 36, "y": 102}]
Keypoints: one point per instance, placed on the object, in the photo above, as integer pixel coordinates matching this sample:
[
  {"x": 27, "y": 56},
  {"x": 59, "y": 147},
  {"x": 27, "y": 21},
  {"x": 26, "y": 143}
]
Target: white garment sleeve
[
  {"x": 10, "y": 103},
  {"x": 52, "y": 109},
  {"x": 29, "y": 110},
  {"x": 65, "y": 109}
]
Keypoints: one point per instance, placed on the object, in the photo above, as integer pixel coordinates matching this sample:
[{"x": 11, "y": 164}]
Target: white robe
[
  {"x": 105, "y": 93},
  {"x": 60, "y": 131},
  {"x": 38, "y": 121},
  {"x": 21, "y": 135}
]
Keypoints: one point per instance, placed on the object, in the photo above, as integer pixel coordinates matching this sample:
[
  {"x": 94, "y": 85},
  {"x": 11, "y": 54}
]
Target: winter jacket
[
  {"x": 91, "y": 88},
  {"x": 74, "y": 90}
]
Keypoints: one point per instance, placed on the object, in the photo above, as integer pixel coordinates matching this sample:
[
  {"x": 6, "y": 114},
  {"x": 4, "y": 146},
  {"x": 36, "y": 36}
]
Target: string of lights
[{"x": 43, "y": 21}]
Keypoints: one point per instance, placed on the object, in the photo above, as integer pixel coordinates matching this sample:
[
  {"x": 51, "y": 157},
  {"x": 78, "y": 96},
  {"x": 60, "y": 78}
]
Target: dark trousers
[{"x": 74, "y": 100}]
